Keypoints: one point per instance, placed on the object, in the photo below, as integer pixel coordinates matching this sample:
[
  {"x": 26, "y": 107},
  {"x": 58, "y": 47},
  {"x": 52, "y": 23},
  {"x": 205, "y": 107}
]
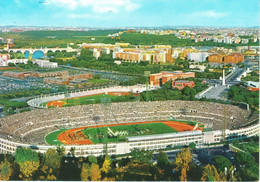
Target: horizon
[
  {"x": 134, "y": 27},
  {"x": 130, "y": 13}
]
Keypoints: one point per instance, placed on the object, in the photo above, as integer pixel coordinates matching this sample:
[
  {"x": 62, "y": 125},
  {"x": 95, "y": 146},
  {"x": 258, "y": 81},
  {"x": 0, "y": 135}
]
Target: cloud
[
  {"x": 209, "y": 14},
  {"x": 87, "y": 16},
  {"x": 97, "y": 6}
]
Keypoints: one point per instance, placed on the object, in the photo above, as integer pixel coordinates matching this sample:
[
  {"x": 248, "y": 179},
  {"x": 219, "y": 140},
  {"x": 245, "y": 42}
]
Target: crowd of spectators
[{"x": 32, "y": 126}]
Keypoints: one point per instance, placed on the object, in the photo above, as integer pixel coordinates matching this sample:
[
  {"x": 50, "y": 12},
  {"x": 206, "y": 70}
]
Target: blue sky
[{"x": 129, "y": 13}]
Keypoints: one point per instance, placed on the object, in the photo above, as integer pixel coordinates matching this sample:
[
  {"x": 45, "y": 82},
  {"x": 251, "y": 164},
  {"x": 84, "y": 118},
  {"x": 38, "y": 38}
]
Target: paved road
[
  {"x": 233, "y": 76},
  {"x": 218, "y": 90}
]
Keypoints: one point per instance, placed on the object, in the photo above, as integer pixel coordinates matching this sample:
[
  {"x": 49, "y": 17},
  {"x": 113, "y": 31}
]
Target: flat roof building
[
  {"x": 181, "y": 84},
  {"x": 158, "y": 79}
]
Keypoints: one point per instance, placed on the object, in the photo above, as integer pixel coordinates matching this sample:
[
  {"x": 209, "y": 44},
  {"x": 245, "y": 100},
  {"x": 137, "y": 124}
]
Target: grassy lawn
[
  {"x": 99, "y": 81},
  {"x": 97, "y": 135},
  {"x": 250, "y": 147},
  {"x": 251, "y": 78},
  {"x": 207, "y": 129},
  {"x": 88, "y": 99},
  {"x": 52, "y": 138},
  {"x": 84, "y": 100}
]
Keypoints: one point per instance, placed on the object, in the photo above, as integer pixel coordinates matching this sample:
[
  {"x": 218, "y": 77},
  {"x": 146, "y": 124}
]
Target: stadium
[{"x": 118, "y": 128}]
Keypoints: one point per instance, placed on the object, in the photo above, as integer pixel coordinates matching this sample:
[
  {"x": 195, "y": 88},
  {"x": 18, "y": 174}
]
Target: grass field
[
  {"x": 117, "y": 132},
  {"x": 96, "y": 135},
  {"x": 52, "y": 138},
  {"x": 92, "y": 99},
  {"x": 85, "y": 100}
]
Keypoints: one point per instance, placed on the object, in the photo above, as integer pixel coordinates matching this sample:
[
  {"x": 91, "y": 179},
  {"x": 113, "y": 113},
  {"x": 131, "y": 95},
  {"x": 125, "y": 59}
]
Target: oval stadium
[{"x": 118, "y": 128}]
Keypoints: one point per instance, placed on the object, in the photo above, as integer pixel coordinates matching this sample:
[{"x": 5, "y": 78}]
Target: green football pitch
[
  {"x": 119, "y": 132},
  {"x": 98, "y": 135}
]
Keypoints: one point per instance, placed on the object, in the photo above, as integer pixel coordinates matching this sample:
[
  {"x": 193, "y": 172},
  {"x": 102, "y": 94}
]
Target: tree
[
  {"x": 95, "y": 172},
  {"x": 192, "y": 145},
  {"x": 244, "y": 159},
  {"x": 168, "y": 85},
  {"x": 141, "y": 156},
  {"x": 92, "y": 159},
  {"x": 106, "y": 165},
  {"x": 162, "y": 160},
  {"x": 5, "y": 170},
  {"x": 97, "y": 76},
  {"x": 28, "y": 161},
  {"x": 61, "y": 150},
  {"x": 210, "y": 173},
  {"x": 249, "y": 169},
  {"x": 53, "y": 159},
  {"x": 72, "y": 151},
  {"x": 230, "y": 176},
  {"x": 85, "y": 172},
  {"x": 46, "y": 173},
  {"x": 182, "y": 162},
  {"x": 222, "y": 162},
  {"x": 11, "y": 64}
]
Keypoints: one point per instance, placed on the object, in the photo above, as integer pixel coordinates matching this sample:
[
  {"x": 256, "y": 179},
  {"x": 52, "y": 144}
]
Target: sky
[{"x": 130, "y": 13}]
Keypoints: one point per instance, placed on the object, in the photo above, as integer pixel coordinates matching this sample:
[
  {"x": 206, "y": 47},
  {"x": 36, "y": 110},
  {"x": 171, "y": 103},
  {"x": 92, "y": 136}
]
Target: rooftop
[{"x": 163, "y": 136}]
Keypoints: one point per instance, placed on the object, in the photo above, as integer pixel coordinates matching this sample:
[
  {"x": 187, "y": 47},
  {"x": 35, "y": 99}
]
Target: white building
[
  {"x": 175, "y": 54},
  {"x": 46, "y": 63},
  {"x": 228, "y": 40},
  {"x": 106, "y": 51},
  {"x": 5, "y": 62},
  {"x": 195, "y": 66},
  {"x": 96, "y": 53},
  {"x": 198, "y": 56},
  {"x": 244, "y": 41}
]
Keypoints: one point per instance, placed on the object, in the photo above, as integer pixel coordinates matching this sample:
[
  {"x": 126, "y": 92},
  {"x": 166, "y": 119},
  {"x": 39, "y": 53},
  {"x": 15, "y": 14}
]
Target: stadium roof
[{"x": 162, "y": 136}]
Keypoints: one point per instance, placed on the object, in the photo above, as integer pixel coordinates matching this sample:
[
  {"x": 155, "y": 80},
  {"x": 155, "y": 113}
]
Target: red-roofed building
[
  {"x": 165, "y": 76},
  {"x": 181, "y": 84},
  {"x": 234, "y": 58}
]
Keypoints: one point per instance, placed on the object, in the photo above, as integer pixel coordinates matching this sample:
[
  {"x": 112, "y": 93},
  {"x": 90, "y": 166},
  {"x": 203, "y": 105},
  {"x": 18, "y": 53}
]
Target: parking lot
[
  {"x": 204, "y": 156},
  {"x": 8, "y": 84}
]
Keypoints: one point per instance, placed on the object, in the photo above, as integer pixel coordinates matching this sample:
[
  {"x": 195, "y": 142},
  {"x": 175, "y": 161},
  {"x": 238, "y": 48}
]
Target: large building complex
[
  {"x": 136, "y": 55},
  {"x": 223, "y": 58},
  {"x": 216, "y": 58},
  {"x": 234, "y": 58},
  {"x": 14, "y": 74},
  {"x": 66, "y": 79},
  {"x": 46, "y": 63},
  {"x": 158, "y": 79}
]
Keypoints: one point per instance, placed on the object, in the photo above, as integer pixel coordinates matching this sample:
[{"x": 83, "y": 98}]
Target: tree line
[{"x": 139, "y": 165}]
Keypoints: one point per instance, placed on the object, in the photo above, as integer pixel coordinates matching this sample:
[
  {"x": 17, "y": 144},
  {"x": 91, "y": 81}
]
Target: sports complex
[{"x": 118, "y": 128}]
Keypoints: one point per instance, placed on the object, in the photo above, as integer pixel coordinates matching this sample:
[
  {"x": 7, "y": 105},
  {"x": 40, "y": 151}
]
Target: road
[
  {"x": 234, "y": 75},
  {"x": 217, "y": 90}
]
